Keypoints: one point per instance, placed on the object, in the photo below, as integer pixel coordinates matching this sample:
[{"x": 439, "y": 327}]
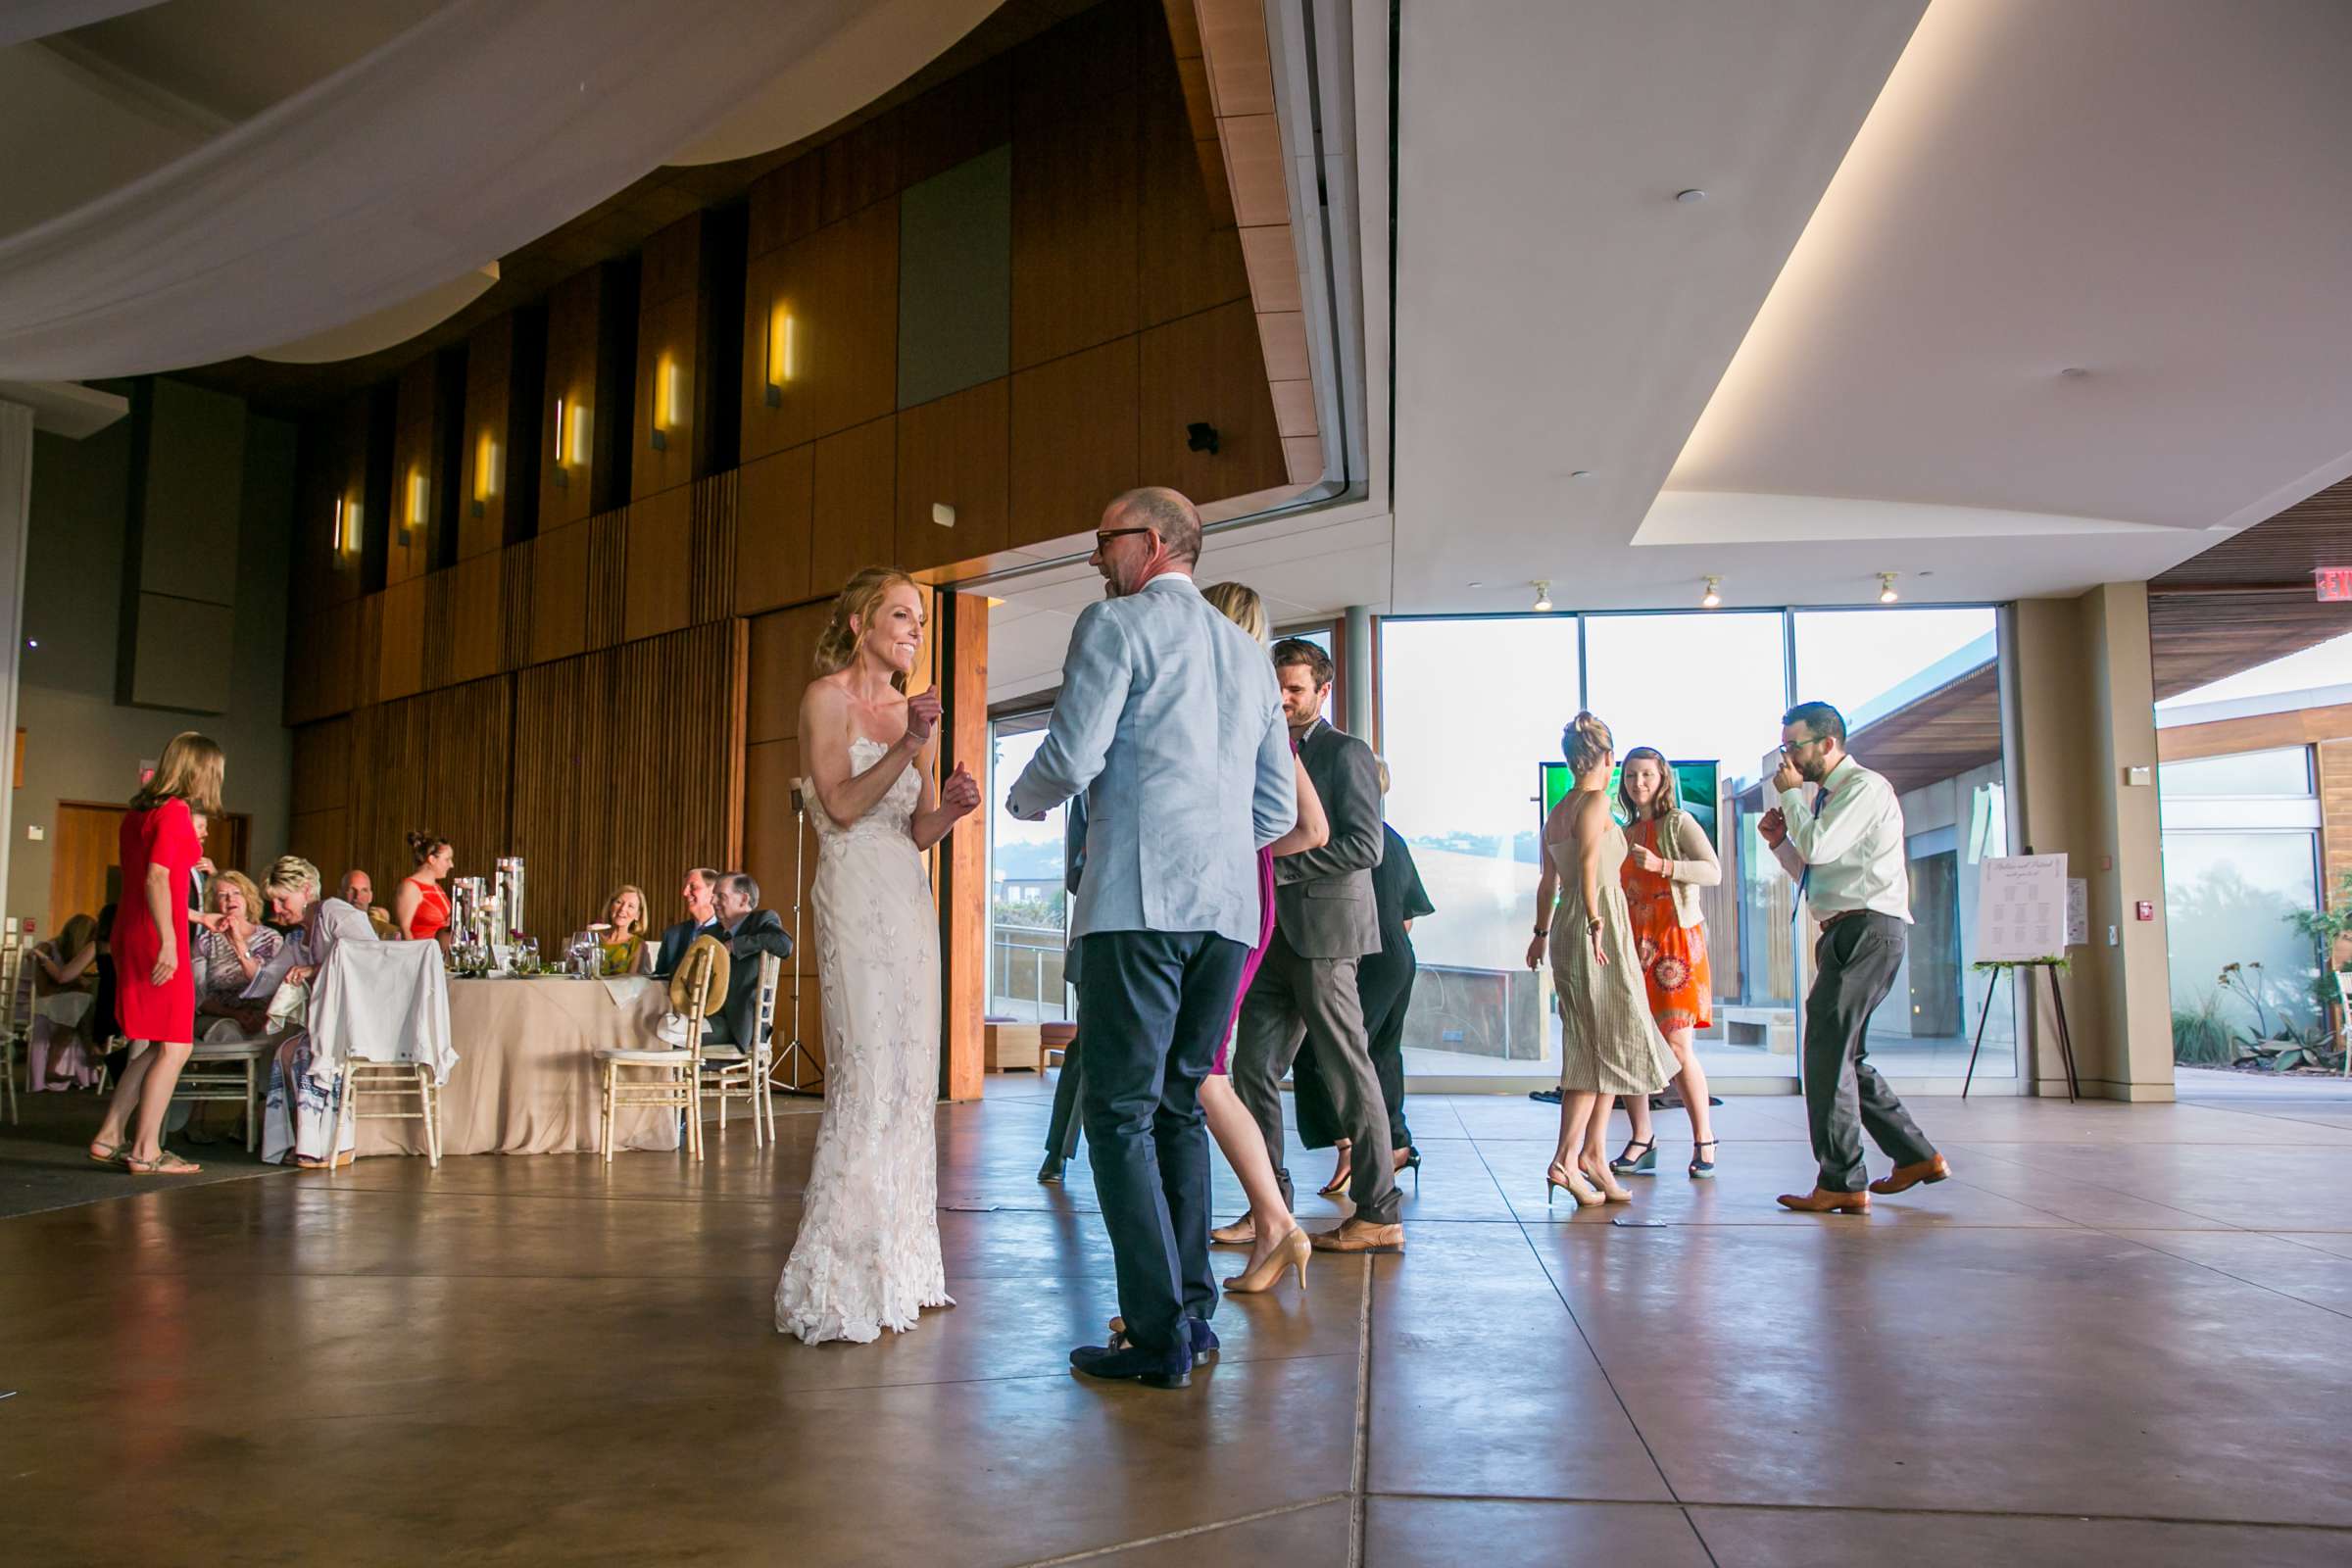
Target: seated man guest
[
  {"x": 748, "y": 931},
  {"x": 701, "y": 894},
  {"x": 358, "y": 890}
]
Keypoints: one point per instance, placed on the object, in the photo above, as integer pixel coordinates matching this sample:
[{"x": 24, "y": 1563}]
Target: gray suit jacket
[
  {"x": 1171, "y": 722},
  {"x": 1323, "y": 901}
]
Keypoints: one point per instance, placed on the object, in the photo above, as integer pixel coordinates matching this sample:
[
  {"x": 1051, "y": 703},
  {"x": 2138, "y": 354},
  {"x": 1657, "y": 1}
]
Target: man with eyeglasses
[
  {"x": 1170, "y": 724},
  {"x": 1846, "y": 854}
]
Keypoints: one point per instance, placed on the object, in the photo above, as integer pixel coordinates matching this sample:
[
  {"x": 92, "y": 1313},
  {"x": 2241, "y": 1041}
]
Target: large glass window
[
  {"x": 1028, "y": 913},
  {"x": 1710, "y": 689},
  {"x": 2241, "y": 859},
  {"x": 1920, "y": 690},
  {"x": 1472, "y": 707}
]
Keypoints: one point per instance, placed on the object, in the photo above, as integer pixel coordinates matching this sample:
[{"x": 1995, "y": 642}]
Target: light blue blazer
[{"x": 1169, "y": 723}]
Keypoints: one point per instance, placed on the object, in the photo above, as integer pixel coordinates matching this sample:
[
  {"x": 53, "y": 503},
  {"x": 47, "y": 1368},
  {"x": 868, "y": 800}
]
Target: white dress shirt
[{"x": 1848, "y": 848}]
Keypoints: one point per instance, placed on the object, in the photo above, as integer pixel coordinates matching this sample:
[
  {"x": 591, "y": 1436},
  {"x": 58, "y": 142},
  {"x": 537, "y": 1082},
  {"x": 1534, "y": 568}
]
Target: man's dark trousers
[
  {"x": 1854, "y": 965},
  {"x": 1155, "y": 1005}
]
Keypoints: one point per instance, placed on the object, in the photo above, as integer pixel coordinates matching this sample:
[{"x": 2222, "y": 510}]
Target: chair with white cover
[
  {"x": 379, "y": 1031},
  {"x": 665, "y": 1076},
  {"x": 738, "y": 1071}
]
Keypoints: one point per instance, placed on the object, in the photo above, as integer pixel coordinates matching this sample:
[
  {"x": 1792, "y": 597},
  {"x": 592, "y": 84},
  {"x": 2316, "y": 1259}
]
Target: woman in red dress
[
  {"x": 421, "y": 909},
  {"x": 155, "y": 1000}
]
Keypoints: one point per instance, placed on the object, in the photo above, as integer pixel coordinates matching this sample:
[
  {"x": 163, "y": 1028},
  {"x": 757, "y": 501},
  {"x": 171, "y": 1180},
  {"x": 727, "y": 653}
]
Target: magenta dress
[{"x": 1265, "y": 934}]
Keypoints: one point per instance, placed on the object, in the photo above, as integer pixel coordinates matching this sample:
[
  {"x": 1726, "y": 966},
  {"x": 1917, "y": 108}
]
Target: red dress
[
  {"x": 1674, "y": 956},
  {"x": 432, "y": 911},
  {"x": 166, "y": 1014}
]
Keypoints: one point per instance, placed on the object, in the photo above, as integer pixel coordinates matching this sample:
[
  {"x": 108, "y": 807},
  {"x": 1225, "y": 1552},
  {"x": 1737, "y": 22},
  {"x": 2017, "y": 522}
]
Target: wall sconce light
[
  {"x": 780, "y": 366},
  {"x": 563, "y": 478},
  {"x": 346, "y": 526},
  {"x": 669, "y": 401},
  {"x": 1886, "y": 592},
  {"x": 341, "y": 507},
  {"x": 1543, "y": 595},
  {"x": 943, "y": 514},
  {"x": 1711, "y": 600},
  {"x": 485, "y": 470},
  {"x": 1201, "y": 437},
  {"x": 417, "y": 505}
]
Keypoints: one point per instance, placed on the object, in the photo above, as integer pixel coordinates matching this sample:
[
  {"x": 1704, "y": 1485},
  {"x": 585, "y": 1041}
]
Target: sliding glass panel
[
  {"x": 1471, "y": 709},
  {"x": 1028, "y": 911},
  {"x": 1920, "y": 691},
  {"x": 1708, "y": 691}
]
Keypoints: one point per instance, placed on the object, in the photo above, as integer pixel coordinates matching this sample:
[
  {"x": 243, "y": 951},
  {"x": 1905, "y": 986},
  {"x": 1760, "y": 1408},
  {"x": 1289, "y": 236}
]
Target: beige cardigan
[{"x": 1691, "y": 864}]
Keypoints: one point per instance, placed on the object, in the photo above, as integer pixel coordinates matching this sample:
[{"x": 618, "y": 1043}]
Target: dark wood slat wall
[
  {"x": 628, "y": 767},
  {"x": 596, "y": 616}
]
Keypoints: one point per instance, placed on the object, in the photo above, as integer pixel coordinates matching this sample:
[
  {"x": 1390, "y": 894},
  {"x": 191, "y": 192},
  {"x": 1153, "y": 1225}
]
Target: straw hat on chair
[{"x": 707, "y": 955}]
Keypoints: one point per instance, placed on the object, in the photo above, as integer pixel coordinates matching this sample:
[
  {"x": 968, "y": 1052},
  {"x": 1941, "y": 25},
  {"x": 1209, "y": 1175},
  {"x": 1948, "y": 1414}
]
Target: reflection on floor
[{"x": 2120, "y": 1333}]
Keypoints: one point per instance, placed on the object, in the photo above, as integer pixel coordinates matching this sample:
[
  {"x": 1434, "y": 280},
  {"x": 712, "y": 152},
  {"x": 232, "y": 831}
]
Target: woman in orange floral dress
[{"x": 1669, "y": 860}]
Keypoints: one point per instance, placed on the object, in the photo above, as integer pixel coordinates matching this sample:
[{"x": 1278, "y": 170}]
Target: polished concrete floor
[{"x": 2121, "y": 1334}]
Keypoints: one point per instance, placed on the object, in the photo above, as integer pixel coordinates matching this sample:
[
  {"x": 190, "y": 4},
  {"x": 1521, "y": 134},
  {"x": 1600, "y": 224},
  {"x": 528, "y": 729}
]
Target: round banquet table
[{"x": 527, "y": 1079}]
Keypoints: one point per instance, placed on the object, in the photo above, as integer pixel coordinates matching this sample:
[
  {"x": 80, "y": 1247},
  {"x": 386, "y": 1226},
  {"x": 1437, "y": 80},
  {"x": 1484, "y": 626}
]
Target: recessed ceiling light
[
  {"x": 1580, "y": 473},
  {"x": 1478, "y": 586},
  {"x": 2074, "y": 372},
  {"x": 1691, "y": 195}
]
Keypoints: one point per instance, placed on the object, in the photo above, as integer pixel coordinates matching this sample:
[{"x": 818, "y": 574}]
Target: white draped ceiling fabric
[
  {"x": 21, "y": 20},
  {"x": 485, "y": 126}
]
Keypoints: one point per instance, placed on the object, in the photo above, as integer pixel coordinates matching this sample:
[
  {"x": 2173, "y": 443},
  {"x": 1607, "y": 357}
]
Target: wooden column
[{"x": 961, "y": 625}]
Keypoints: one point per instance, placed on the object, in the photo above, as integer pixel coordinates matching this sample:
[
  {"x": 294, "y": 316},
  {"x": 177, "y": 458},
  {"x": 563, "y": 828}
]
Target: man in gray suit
[
  {"x": 1169, "y": 723},
  {"x": 1325, "y": 920}
]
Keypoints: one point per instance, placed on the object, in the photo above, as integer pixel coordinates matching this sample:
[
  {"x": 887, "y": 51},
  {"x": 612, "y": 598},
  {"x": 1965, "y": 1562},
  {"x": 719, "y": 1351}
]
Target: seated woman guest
[
  {"x": 65, "y": 974},
  {"x": 625, "y": 944},
  {"x": 155, "y": 982},
  {"x": 300, "y": 1119},
  {"x": 228, "y": 956},
  {"x": 420, "y": 911}
]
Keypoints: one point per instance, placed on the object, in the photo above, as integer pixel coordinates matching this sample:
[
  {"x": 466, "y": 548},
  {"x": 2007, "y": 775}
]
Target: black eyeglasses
[{"x": 1104, "y": 537}]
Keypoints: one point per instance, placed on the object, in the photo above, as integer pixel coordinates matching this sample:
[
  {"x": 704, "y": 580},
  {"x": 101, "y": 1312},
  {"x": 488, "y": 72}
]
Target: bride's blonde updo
[
  {"x": 859, "y": 597},
  {"x": 1585, "y": 743}
]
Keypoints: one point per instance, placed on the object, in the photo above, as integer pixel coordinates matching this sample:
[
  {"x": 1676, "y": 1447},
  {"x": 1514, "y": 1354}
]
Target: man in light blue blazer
[{"x": 1170, "y": 724}]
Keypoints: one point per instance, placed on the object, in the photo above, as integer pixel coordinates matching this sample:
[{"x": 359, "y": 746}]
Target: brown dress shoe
[
  {"x": 1359, "y": 1236},
  {"x": 1241, "y": 1232},
  {"x": 1823, "y": 1201},
  {"x": 1903, "y": 1178}
]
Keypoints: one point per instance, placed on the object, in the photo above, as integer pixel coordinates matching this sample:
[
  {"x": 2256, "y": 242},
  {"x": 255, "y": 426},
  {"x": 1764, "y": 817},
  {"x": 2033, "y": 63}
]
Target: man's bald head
[{"x": 1166, "y": 512}]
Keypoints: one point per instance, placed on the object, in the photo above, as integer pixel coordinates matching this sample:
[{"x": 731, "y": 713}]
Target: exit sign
[{"x": 2334, "y": 584}]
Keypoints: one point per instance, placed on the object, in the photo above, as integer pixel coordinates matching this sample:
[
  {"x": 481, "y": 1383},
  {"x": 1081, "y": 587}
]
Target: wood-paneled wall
[{"x": 629, "y": 767}]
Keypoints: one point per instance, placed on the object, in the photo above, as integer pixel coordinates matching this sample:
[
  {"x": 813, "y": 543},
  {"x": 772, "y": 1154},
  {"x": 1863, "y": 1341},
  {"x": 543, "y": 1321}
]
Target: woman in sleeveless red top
[
  {"x": 422, "y": 909},
  {"x": 154, "y": 1001}
]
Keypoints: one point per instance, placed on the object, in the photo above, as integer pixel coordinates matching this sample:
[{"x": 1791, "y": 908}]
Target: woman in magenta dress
[{"x": 155, "y": 1000}]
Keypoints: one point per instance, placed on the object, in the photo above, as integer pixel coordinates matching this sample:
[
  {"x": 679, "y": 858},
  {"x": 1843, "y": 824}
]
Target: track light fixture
[
  {"x": 1886, "y": 592},
  {"x": 1711, "y": 600},
  {"x": 1544, "y": 594}
]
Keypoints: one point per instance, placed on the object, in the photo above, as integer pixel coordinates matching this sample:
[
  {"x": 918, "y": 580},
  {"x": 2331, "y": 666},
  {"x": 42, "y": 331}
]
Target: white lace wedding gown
[{"x": 867, "y": 1256}]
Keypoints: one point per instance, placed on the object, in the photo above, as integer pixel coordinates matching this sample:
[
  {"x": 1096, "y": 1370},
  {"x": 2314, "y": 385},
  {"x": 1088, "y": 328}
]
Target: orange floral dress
[{"x": 1674, "y": 956}]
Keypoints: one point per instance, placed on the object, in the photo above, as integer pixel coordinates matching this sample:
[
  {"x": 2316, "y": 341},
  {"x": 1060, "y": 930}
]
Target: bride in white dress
[{"x": 868, "y": 1254}]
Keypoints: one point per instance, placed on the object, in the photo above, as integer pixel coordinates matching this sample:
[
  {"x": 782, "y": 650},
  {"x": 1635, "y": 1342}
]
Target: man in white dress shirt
[{"x": 1847, "y": 854}]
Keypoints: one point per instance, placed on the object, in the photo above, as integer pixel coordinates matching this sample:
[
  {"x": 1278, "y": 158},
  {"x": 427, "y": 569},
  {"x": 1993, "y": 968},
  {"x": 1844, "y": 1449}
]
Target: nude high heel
[
  {"x": 1610, "y": 1188},
  {"x": 1572, "y": 1179},
  {"x": 1291, "y": 1251}
]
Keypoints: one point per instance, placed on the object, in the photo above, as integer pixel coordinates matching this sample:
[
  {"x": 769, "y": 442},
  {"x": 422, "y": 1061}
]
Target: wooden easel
[{"x": 2066, "y": 1044}]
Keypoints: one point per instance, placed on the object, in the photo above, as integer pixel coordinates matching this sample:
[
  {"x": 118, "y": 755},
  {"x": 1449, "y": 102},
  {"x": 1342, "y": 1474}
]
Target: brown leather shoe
[
  {"x": 1241, "y": 1232},
  {"x": 1824, "y": 1200},
  {"x": 1359, "y": 1236},
  {"x": 1903, "y": 1178}
]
